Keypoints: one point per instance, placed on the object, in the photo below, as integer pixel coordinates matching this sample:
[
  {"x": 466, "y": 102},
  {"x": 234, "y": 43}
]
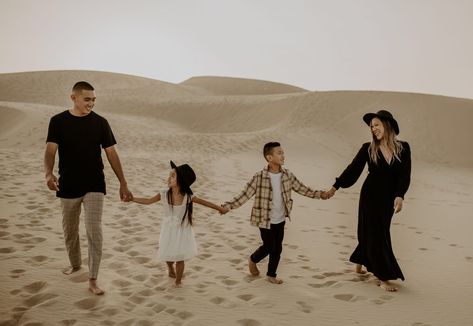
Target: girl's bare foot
[
  {"x": 359, "y": 269},
  {"x": 253, "y": 268},
  {"x": 275, "y": 280},
  {"x": 387, "y": 286},
  {"x": 70, "y": 270},
  {"x": 177, "y": 284},
  {"x": 94, "y": 288}
]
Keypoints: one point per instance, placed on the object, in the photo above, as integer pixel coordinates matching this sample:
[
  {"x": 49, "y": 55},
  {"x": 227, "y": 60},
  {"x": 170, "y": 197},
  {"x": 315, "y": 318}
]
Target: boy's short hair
[
  {"x": 82, "y": 86},
  {"x": 268, "y": 148}
]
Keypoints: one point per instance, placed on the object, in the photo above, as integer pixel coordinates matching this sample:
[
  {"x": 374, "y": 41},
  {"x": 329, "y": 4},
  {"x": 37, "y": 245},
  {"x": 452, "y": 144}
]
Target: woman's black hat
[{"x": 382, "y": 115}]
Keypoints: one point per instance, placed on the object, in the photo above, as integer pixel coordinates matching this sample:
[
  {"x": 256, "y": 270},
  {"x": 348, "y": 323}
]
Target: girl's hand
[{"x": 398, "y": 204}]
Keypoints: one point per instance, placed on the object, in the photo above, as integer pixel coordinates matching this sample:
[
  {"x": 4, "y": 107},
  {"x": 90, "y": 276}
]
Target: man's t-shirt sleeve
[
  {"x": 53, "y": 131},
  {"x": 108, "y": 139}
]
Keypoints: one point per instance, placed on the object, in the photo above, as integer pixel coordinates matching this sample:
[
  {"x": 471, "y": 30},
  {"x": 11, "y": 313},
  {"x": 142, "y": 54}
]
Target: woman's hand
[{"x": 398, "y": 204}]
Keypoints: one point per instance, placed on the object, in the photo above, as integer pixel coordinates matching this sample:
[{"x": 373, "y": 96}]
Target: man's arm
[
  {"x": 49, "y": 158},
  {"x": 116, "y": 165}
]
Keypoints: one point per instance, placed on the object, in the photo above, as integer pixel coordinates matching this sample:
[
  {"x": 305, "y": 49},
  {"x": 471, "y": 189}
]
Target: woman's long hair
[
  {"x": 394, "y": 145},
  {"x": 183, "y": 190}
]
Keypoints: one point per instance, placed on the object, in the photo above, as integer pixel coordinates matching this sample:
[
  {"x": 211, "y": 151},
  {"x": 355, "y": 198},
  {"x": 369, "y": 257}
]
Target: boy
[{"x": 272, "y": 189}]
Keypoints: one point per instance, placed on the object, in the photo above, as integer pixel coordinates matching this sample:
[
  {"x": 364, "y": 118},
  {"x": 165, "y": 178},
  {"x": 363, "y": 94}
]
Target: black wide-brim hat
[
  {"x": 382, "y": 115},
  {"x": 185, "y": 175}
]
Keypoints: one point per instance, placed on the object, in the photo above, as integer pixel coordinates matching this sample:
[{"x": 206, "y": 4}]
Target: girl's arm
[
  {"x": 209, "y": 204},
  {"x": 147, "y": 201}
]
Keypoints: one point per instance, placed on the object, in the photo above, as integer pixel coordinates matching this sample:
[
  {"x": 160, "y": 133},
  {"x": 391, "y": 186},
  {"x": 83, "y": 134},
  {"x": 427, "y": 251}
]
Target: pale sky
[{"x": 421, "y": 46}]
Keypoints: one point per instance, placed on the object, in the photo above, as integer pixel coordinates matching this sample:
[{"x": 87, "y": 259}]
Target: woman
[{"x": 382, "y": 195}]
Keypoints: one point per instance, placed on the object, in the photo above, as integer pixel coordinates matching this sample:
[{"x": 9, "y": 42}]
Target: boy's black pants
[{"x": 272, "y": 246}]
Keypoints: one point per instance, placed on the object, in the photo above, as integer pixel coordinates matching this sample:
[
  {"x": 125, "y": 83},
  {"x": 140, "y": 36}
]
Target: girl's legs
[
  {"x": 179, "y": 272},
  {"x": 171, "y": 271}
]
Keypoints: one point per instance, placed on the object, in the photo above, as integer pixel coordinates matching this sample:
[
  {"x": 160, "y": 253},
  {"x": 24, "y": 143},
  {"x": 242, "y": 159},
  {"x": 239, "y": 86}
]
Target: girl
[
  {"x": 382, "y": 195},
  {"x": 176, "y": 240}
]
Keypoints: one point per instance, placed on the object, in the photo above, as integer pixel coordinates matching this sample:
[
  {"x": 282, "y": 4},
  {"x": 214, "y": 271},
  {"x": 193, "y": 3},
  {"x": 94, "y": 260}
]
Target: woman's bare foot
[
  {"x": 70, "y": 270},
  {"x": 253, "y": 268},
  {"x": 275, "y": 280},
  {"x": 94, "y": 288},
  {"x": 171, "y": 271},
  {"x": 359, "y": 269},
  {"x": 387, "y": 286}
]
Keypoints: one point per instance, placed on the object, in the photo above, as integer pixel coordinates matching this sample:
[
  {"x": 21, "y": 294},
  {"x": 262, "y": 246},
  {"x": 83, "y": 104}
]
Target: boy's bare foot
[
  {"x": 387, "y": 286},
  {"x": 94, "y": 288},
  {"x": 253, "y": 268},
  {"x": 359, "y": 269},
  {"x": 275, "y": 280},
  {"x": 70, "y": 270}
]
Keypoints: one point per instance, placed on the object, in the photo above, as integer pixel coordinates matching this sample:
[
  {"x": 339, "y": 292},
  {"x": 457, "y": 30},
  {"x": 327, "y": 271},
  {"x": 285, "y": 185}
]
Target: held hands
[
  {"x": 397, "y": 204},
  {"x": 328, "y": 194},
  {"x": 52, "y": 182},
  {"x": 125, "y": 194},
  {"x": 223, "y": 210}
]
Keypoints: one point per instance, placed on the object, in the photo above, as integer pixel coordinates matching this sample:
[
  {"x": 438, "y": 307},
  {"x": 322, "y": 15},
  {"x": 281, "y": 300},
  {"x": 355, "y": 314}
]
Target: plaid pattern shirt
[{"x": 260, "y": 187}]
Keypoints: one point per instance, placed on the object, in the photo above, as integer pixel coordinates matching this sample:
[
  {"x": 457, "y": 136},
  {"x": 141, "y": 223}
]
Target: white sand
[{"x": 219, "y": 125}]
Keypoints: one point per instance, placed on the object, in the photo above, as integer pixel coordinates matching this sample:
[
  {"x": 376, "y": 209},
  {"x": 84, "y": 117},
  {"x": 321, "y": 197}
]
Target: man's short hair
[
  {"x": 268, "y": 148},
  {"x": 82, "y": 86}
]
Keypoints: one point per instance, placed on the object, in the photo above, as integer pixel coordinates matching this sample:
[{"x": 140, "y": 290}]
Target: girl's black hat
[
  {"x": 382, "y": 115},
  {"x": 185, "y": 175}
]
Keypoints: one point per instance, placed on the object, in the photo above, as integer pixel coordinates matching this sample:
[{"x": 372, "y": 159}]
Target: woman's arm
[
  {"x": 147, "y": 201},
  {"x": 209, "y": 204},
  {"x": 353, "y": 171}
]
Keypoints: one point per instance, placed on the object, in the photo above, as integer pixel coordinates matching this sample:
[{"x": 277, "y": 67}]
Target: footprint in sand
[
  {"x": 87, "y": 304},
  {"x": 39, "y": 298},
  {"x": 245, "y": 297},
  {"x": 34, "y": 287},
  {"x": 322, "y": 285},
  {"x": 248, "y": 322},
  {"x": 468, "y": 258},
  {"x": 304, "y": 307},
  {"x": 344, "y": 297},
  {"x": 423, "y": 249},
  {"x": 7, "y": 250}
]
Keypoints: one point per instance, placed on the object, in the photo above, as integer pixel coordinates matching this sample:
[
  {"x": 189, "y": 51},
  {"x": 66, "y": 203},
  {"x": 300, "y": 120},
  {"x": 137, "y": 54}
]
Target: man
[{"x": 79, "y": 134}]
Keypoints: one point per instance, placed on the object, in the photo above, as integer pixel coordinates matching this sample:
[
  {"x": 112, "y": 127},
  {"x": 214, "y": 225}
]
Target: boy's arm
[
  {"x": 304, "y": 190},
  {"x": 206, "y": 203},
  {"x": 147, "y": 201},
  {"x": 244, "y": 196}
]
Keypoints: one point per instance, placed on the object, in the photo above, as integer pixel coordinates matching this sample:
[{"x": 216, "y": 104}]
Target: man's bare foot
[
  {"x": 275, "y": 280},
  {"x": 253, "y": 268},
  {"x": 94, "y": 288},
  {"x": 387, "y": 286},
  {"x": 359, "y": 269},
  {"x": 70, "y": 270}
]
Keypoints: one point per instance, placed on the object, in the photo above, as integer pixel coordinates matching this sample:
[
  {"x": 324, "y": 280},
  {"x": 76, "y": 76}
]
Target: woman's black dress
[{"x": 383, "y": 184}]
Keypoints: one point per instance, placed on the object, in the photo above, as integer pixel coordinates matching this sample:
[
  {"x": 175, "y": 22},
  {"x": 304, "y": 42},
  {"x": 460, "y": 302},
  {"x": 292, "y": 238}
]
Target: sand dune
[{"x": 218, "y": 125}]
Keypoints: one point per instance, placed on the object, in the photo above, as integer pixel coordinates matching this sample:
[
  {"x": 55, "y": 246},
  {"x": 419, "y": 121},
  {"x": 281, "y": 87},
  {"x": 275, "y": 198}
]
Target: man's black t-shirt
[{"x": 79, "y": 142}]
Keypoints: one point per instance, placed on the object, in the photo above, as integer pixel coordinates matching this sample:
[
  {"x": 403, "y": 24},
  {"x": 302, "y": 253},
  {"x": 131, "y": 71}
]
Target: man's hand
[
  {"x": 52, "y": 182},
  {"x": 125, "y": 194}
]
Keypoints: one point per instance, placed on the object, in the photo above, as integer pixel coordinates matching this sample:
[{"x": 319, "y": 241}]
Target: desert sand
[{"x": 218, "y": 125}]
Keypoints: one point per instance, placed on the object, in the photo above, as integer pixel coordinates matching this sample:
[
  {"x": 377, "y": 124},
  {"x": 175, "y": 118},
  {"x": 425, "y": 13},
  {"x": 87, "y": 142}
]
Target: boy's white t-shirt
[{"x": 278, "y": 213}]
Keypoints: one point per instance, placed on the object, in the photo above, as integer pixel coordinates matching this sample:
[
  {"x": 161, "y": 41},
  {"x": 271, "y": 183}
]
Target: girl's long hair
[
  {"x": 394, "y": 145},
  {"x": 183, "y": 190}
]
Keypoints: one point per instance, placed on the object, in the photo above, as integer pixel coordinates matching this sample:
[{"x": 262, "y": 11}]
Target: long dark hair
[{"x": 183, "y": 190}]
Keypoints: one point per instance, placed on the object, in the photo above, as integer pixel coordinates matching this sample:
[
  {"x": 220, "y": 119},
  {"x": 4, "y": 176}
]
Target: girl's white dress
[{"x": 176, "y": 240}]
